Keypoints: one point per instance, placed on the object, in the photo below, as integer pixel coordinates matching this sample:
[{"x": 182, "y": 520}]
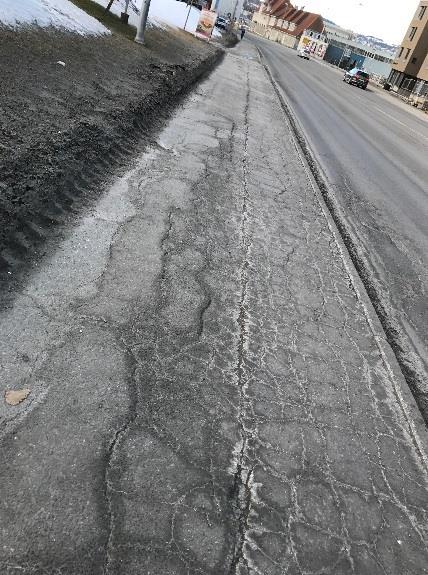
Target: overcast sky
[{"x": 386, "y": 19}]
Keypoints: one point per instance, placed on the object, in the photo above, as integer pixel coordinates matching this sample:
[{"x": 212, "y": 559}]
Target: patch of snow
[
  {"x": 169, "y": 12},
  {"x": 174, "y": 14},
  {"x": 133, "y": 9},
  {"x": 57, "y": 13}
]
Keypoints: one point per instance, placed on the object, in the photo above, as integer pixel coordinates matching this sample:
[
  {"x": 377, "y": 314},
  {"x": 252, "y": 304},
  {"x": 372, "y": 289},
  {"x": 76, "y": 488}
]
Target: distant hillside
[
  {"x": 370, "y": 41},
  {"x": 376, "y": 43}
]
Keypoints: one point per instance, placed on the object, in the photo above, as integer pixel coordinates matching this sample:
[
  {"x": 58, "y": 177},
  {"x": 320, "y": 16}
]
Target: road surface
[
  {"x": 374, "y": 153},
  {"x": 210, "y": 390}
]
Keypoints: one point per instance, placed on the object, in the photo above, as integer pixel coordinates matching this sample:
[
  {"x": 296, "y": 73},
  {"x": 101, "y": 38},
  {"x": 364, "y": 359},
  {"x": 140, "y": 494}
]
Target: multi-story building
[
  {"x": 281, "y": 22},
  {"x": 314, "y": 42},
  {"x": 350, "y": 53},
  {"x": 410, "y": 67},
  {"x": 278, "y": 20}
]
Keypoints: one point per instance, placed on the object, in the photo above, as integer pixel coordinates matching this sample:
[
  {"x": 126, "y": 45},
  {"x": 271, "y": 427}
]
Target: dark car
[
  {"x": 222, "y": 23},
  {"x": 357, "y": 77}
]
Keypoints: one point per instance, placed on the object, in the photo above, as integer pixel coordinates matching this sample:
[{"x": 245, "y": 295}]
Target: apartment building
[
  {"x": 410, "y": 67},
  {"x": 282, "y": 22}
]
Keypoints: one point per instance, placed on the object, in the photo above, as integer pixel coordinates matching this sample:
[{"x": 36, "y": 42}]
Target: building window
[
  {"x": 412, "y": 33},
  {"x": 401, "y": 52},
  {"x": 422, "y": 12},
  {"x": 414, "y": 60},
  {"x": 407, "y": 53}
]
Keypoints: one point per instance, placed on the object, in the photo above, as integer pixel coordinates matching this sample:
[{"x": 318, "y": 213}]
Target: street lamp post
[
  {"x": 190, "y": 4},
  {"x": 144, "y": 12}
]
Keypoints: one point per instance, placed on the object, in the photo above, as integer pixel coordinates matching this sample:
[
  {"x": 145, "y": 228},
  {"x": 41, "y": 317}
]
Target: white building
[
  {"x": 334, "y": 32},
  {"x": 315, "y": 42},
  {"x": 228, "y": 8},
  {"x": 343, "y": 42}
]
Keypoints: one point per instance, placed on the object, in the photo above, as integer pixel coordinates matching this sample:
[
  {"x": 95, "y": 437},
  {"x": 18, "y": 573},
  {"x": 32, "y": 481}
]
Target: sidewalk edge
[{"x": 412, "y": 415}]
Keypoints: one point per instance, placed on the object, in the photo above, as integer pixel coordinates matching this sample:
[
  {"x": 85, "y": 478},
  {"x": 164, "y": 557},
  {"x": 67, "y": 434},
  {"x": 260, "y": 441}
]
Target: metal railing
[{"x": 409, "y": 96}]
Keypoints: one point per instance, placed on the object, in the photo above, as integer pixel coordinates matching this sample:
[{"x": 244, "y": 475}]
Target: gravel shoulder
[{"x": 65, "y": 129}]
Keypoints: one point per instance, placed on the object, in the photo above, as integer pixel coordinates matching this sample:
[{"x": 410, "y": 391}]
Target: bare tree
[{"x": 109, "y": 5}]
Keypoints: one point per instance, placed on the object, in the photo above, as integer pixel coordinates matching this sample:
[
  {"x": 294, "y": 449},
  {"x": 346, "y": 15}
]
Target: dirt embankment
[{"x": 64, "y": 129}]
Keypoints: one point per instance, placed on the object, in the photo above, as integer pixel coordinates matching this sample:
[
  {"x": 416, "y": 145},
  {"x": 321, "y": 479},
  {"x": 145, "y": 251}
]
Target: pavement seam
[
  {"x": 357, "y": 271},
  {"x": 110, "y": 455},
  {"x": 132, "y": 413},
  {"x": 243, "y": 475}
]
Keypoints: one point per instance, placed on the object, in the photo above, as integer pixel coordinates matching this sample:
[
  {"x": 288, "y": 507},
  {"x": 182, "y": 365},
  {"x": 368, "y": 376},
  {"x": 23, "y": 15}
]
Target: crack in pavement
[
  {"x": 265, "y": 439},
  {"x": 243, "y": 475},
  {"x": 411, "y": 363},
  {"x": 110, "y": 455}
]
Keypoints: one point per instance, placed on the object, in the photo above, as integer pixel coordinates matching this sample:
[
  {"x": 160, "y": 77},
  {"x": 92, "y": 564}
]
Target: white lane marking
[{"x": 400, "y": 122}]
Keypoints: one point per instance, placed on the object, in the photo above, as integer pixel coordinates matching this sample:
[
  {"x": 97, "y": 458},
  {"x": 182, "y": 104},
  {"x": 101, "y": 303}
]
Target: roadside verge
[{"x": 73, "y": 109}]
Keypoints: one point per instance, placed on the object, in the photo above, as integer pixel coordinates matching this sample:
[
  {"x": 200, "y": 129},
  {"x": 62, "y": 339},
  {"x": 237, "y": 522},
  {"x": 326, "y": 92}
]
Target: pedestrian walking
[{"x": 242, "y": 32}]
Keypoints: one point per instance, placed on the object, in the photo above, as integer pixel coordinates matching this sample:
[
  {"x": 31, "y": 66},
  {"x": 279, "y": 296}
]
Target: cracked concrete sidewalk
[{"x": 210, "y": 389}]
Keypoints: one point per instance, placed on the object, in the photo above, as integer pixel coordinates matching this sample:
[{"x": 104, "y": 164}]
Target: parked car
[
  {"x": 357, "y": 77},
  {"x": 222, "y": 23},
  {"x": 304, "y": 53}
]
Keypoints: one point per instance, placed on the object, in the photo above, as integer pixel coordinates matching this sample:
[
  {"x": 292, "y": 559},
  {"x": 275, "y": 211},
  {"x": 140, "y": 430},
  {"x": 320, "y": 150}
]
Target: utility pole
[
  {"x": 144, "y": 12},
  {"x": 234, "y": 10}
]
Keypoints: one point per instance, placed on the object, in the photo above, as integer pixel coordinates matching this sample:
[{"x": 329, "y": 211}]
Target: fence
[{"x": 410, "y": 97}]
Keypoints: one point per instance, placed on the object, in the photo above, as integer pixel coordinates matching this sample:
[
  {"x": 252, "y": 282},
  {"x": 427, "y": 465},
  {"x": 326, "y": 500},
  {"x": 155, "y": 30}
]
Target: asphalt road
[{"x": 374, "y": 153}]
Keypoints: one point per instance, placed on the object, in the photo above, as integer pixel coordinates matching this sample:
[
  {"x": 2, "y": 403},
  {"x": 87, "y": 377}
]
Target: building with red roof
[{"x": 282, "y": 22}]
